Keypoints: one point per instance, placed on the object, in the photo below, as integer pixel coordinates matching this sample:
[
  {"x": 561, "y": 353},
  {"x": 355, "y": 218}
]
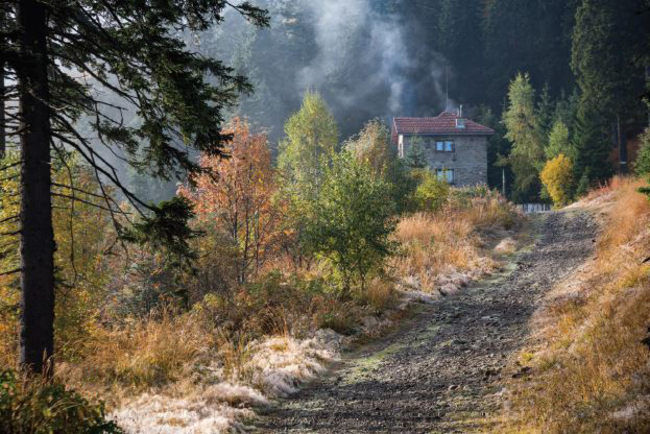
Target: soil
[{"x": 443, "y": 371}]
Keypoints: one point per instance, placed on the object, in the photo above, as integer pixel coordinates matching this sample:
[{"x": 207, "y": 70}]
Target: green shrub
[
  {"x": 39, "y": 407},
  {"x": 642, "y": 163},
  {"x": 351, "y": 223},
  {"x": 432, "y": 193}
]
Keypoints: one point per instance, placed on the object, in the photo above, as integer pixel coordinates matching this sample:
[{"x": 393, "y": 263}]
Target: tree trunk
[
  {"x": 37, "y": 236},
  {"x": 3, "y": 143}
]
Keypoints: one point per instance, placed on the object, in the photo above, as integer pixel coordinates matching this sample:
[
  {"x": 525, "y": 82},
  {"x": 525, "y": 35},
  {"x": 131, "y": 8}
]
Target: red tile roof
[{"x": 441, "y": 125}]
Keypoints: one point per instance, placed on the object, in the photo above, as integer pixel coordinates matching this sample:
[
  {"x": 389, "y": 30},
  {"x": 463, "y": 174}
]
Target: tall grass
[
  {"x": 436, "y": 246},
  {"x": 592, "y": 369}
]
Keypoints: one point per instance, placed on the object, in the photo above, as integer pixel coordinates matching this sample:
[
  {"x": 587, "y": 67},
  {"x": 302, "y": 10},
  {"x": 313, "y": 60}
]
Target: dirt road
[{"x": 441, "y": 373}]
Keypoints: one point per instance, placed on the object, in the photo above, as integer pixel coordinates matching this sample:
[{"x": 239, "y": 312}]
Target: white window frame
[{"x": 400, "y": 145}]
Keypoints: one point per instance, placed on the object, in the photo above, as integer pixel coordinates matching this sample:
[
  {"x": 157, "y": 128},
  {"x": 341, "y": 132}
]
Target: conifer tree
[
  {"x": 611, "y": 79},
  {"x": 558, "y": 142},
  {"x": 592, "y": 149},
  {"x": 63, "y": 57},
  {"x": 415, "y": 157},
  {"x": 522, "y": 124}
]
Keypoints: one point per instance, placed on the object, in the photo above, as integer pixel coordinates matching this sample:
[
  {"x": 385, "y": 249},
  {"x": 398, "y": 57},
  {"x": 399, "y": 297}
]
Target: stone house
[{"x": 455, "y": 147}]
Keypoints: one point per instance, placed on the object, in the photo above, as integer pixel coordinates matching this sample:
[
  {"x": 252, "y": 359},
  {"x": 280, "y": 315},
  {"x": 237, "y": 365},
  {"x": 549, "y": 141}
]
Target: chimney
[{"x": 460, "y": 122}]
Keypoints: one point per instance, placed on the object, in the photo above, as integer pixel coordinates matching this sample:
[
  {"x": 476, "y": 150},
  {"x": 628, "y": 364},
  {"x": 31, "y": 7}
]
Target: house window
[
  {"x": 440, "y": 146},
  {"x": 445, "y": 175},
  {"x": 445, "y": 146},
  {"x": 449, "y": 146}
]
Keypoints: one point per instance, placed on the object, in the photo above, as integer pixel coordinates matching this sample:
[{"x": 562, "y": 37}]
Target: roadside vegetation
[
  {"x": 168, "y": 263},
  {"x": 291, "y": 262},
  {"x": 587, "y": 368}
]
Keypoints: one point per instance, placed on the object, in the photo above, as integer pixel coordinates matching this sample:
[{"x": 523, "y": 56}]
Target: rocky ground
[{"x": 444, "y": 371}]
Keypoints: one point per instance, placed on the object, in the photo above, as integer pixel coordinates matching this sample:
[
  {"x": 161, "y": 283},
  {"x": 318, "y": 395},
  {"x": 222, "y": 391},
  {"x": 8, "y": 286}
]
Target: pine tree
[
  {"x": 611, "y": 79},
  {"x": 59, "y": 54},
  {"x": 545, "y": 111},
  {"x": 592, "y": 149},
  {"x": 559, "y": 142},
  {"x": 415, "y": 158},
  {"x": 530, "y": 35},
  {"x": 522, "y": 124}
]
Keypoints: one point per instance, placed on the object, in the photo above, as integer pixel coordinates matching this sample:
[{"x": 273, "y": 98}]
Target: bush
[
  {"x": 642, "y": 163},
  {"x": 38, "y": 407},
  {"x": 352, "y": 221},
  {"x": 432, "y": 193},
  {"x": 557, "y": 177}
]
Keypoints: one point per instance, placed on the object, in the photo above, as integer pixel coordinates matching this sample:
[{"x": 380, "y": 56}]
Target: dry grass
[
  {"x": 591, "y": 369},
  {"x": 142, "y": 354},
  {"x": 446, "y": 248},
  {"x": 202, "y": 370}
]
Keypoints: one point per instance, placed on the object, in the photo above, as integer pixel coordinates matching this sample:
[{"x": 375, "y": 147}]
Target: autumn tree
[
  {"x": 237, "y": 196},
  {"x": 307, "y": 150},
  {"x": 61, "y": 60},
  {"x": 82, "y": 272},
  {"x": 557, "y": 177}
]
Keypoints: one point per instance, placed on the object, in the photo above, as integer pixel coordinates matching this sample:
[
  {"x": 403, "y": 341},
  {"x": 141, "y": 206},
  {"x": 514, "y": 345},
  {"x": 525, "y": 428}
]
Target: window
[
  {"x": 446, "y": 146},
  {"x": 450, "y": 176},
  {"x": 445, "y": 175}
]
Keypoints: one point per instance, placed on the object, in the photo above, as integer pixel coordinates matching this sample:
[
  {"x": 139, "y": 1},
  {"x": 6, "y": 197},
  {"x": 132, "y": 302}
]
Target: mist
[{"x": 358, "y": 54}]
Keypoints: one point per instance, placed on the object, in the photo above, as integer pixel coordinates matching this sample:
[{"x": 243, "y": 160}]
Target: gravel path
[{"x": 441, "y": 373}]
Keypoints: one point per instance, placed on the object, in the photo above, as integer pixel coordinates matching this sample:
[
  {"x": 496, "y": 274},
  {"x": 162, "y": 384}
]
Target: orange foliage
[{"x": 236, "y": 198}]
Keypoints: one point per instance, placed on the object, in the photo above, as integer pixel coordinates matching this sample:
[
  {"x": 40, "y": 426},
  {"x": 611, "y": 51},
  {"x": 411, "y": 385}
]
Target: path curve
[{"x": 441, "y": 373}]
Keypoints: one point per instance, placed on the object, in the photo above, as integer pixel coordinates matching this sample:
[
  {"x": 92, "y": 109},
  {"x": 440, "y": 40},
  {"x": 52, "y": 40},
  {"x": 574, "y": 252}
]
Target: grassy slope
[{"x": 590, "y": 370}]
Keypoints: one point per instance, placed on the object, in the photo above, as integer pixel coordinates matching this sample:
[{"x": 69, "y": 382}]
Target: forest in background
[
  {"x": 290, "y": 222},
  {"x": 398, "y": 58}
]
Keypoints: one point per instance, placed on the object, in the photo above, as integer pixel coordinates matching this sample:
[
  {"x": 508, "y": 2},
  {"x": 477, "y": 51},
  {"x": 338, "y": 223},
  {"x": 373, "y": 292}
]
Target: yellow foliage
[
  {"x": 82, "y": 234},
  {"x": 557, "y": 177}
]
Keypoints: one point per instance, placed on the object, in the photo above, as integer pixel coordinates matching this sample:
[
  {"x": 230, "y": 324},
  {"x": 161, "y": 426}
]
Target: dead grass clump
[
  {"x": 143, "y": 353},
  {"x": 432, "y": 244},
  {"x": 380, "y": 295},
  {"x": 445, "y": 246},
  {"x": 594, "y": 373}
]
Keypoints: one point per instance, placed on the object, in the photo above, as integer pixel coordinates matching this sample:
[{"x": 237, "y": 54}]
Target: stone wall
[{"x": 468, "y": 157}]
